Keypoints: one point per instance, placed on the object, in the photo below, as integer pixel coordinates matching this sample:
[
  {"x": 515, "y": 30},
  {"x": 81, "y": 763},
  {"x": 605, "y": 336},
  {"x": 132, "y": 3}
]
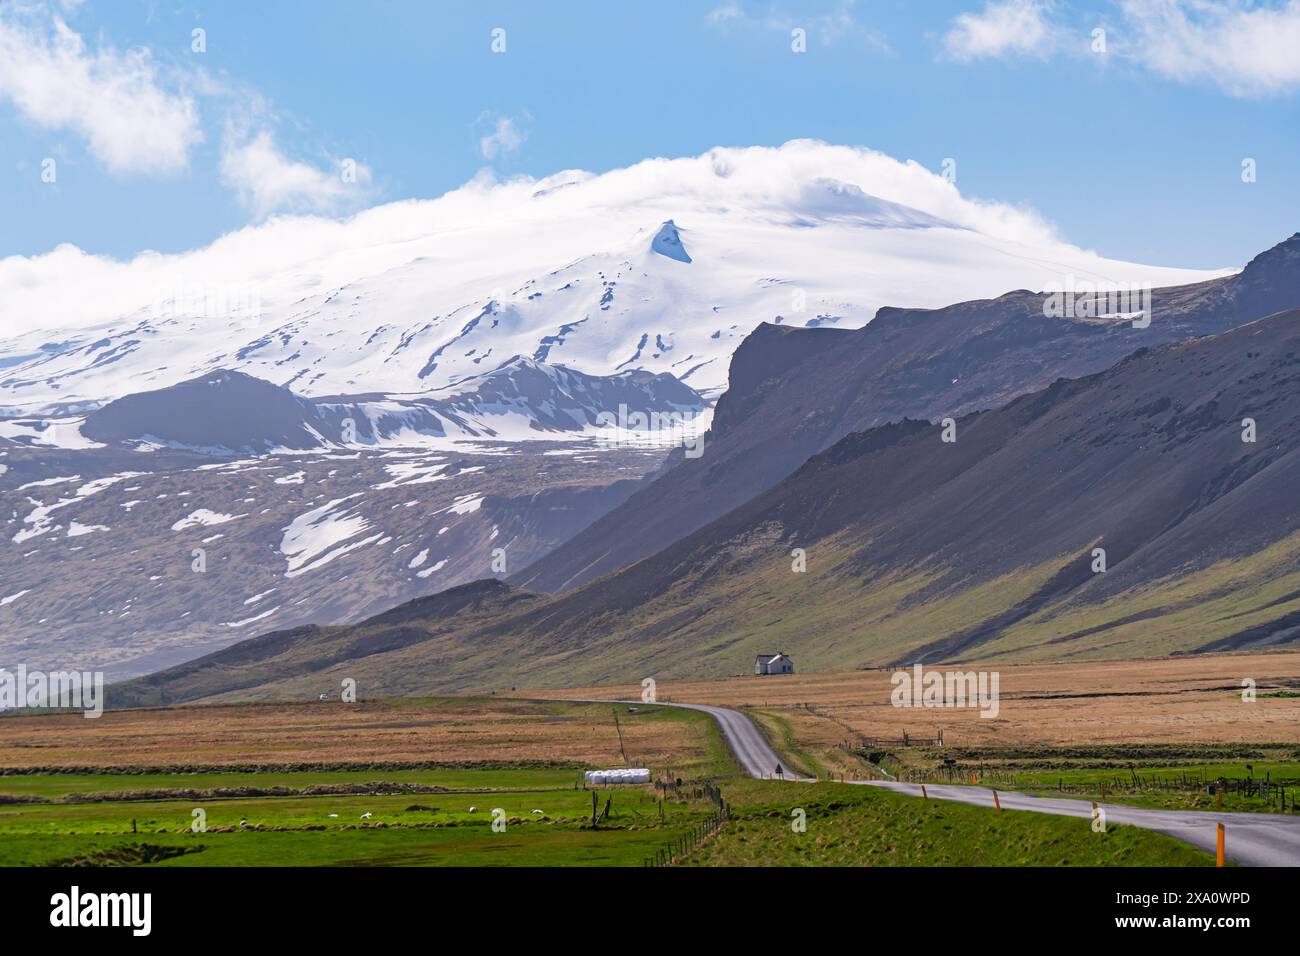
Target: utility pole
[{"x": 620, "y": 737}]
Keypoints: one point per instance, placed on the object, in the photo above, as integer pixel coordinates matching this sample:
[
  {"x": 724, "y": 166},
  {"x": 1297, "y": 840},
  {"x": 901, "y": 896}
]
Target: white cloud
[
  {"x": 1248, "y": 49},
  {"x": 505, "y": 138},
  {"x": 268, "y": 181},
  {"x": 113, "y": 99},
  {"x": 1003, "y": 28},
  {"x": 861, "y": 228},
  {"x": 133, "y": 122},
  {"x": 285, "y": 257},
  {"x": 837, "y": 23},
  {"x": 728, "y": 11}
]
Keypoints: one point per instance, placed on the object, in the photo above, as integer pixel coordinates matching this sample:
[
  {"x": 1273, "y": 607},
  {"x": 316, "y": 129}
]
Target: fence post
[{"x": 1219, "y": 841}]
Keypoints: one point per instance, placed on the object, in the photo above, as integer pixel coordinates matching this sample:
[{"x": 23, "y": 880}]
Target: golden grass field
[
  {"x": 404, "y": 730},
  {"x": 1167, "y": 700}
]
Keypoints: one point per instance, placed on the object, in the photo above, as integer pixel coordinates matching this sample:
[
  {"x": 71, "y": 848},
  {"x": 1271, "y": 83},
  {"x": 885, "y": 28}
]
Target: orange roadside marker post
[
  {"x": 996, "y": 802},
  {"x": 1219, "y": 857},
  {"x": 973, "y": 781},
  {"x": 1220, "y": 799},
  {"x": 924, "y": 795}
]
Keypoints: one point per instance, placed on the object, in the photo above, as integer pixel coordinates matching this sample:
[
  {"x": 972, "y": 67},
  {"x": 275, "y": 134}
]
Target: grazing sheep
[
  {"x": 334, "y": 815},
  {"x": 537, "y": 811},
  {"x": 473, "y": 809},
  {"x": 366, "y": 815}
]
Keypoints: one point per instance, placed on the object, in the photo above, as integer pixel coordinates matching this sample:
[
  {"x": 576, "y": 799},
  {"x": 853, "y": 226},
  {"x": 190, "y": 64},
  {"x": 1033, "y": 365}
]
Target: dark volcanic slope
[
  {"x": 221, "y": 410},
  {"x": 920, "y": 549},
  {"x": 309, "y": 650},
  {"x": 226, "y": 412},
  {"x": 103, "y": 541},
  {"x": 795, "y": 392}
]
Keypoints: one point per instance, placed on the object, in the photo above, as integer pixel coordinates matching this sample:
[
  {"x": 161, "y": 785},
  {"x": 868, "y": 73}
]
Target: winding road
[
  {"x": 749, "y": 745},
  {"x": 1252, "y": 839}
]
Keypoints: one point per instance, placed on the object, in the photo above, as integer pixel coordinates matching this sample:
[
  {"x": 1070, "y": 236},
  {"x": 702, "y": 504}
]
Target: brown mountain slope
[
  {"x": 795, "y": 392},
  {"x": 915, "y": 549}
]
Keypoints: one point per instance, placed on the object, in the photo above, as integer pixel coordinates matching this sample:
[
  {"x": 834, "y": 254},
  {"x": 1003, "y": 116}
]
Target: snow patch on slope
[
  {"x": 317, "y": 537},
  {"x": 40, "y": 520},
  {"x": 203, "y": 517}
]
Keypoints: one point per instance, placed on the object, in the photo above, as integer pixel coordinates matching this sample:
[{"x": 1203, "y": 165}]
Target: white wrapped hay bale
[{"x": 620, "y": 775}]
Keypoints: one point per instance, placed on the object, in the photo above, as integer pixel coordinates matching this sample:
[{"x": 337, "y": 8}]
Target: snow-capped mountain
[
  {"x": 520, "y": 399},
  {"x": 228, "y": 412},
  {"x": 663, "y": 267}
]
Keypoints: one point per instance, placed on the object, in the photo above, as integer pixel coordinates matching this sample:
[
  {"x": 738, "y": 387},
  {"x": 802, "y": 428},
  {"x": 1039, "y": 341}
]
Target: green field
[
  {"x": 1163, "y": 787},
  {"x": 85, "y": 785},
  {"x": 865, "y": 826},
  {"x": 410, "y": 829},
  {"x": 846, "y": 825},
  {"x": 416, "y": 815},
  {"x": 1164, "y": 776},
  {"x": 432, "y": 814},
  {"x": 518, "y": 846}
]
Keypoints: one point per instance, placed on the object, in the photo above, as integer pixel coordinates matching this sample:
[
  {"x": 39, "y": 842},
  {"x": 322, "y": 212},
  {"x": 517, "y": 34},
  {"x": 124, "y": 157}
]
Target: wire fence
[
  {"x": 1282, "y": 796},
  {"x": 693, "y": 839},
  {"x": 677, "y": 848}
]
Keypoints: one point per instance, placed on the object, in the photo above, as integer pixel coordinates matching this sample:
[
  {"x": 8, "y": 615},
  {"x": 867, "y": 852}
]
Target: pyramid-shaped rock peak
[{"x": 668, "y": 242}]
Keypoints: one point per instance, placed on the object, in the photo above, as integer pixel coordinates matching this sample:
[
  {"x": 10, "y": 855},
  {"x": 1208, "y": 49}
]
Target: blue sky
[{"x": 1136, "y": 152}]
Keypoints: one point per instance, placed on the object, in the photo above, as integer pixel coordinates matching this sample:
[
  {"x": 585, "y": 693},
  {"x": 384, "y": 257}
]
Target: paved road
[
  {"x": 750, "y": 747},
  {"x": 1252, "y": 839}
]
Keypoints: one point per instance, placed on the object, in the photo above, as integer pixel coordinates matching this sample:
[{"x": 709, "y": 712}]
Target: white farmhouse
[{"x": 778, "y": 663}]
